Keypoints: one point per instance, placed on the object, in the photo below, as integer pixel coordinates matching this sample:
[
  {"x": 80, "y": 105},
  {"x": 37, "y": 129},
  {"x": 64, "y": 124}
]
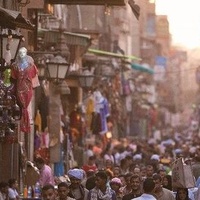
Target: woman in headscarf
[{"x": 116, "y": 184}]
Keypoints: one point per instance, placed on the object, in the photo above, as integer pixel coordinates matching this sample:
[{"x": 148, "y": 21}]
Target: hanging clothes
[
  {"x": 45, "y": 139},
  {"x": 37, "y": 140},
  {"x": 125, "y": 85},
  {"x": 38, "y": 121},
  {"x": 96, "y": 127},
  {"x": 101, "y": 107},
  {"x": 104, "y": 113},
  {"x": 89, "y": 111},
  {"x": 59, "y": 166},
  {"x": 24, "y": 88},
  {"x": 44, "y": 104},
  {"x": 75, "y": 120}
]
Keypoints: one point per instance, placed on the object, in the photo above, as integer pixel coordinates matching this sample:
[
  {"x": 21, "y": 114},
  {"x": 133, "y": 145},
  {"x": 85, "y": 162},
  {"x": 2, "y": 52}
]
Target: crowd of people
[
  {"x": 124, "y": 170},
  {"x": 136, "y": 169}
]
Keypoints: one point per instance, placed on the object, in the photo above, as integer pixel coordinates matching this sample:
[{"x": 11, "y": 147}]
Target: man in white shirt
[
  {"x": 148, "y": 187},
  {"x": 12, "y": 190},
  {"x": 160, "y": 192},
  {"x": 3, "y": 190}
]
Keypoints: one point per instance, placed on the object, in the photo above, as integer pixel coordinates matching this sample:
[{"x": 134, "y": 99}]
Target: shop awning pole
[
  {"x": 142, "y": 68},
  {"x": 108, "y": 53}
]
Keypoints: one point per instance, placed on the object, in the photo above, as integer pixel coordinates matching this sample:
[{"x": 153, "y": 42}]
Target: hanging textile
[
  {"x": 38, "y": 121},
  {"x": 89, "y": 111},
  {"x": 96, "y": 123},
  {"x": 101, "y": 107},
  {"x": 125, "y": 85}
]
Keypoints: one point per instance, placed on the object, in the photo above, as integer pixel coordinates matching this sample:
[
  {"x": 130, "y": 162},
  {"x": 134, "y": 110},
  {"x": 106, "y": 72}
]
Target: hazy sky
[{"x": 184, "y": 20}]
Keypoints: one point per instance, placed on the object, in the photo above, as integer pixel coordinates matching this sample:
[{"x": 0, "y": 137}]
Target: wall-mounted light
[
  {"x": 57, "y": 69},
  {"x": 86, "y": 79},
  {"x": 10, "y": 42}
]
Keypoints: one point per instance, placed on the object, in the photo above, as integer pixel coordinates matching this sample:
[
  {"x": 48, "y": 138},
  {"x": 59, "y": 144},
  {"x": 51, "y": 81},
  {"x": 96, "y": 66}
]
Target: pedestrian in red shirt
[{"x": 90, "y": 164}]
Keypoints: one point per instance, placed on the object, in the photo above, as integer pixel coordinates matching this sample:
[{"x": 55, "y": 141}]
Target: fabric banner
[{"x": 182, "y": 176}]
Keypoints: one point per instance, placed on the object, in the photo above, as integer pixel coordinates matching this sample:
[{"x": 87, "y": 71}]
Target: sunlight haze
[{"x": 184, "y": 20}]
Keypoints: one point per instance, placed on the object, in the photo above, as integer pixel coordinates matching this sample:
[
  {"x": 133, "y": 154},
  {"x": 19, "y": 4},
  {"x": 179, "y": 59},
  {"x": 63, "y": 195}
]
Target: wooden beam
[{"x": 88, "y": 2}]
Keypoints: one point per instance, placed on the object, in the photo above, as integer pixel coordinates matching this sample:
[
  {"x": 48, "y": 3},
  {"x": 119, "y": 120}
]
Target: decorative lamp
[
  {"x": 57, "y": 69},
  {"x": 86, "y": 79},
  {"x": 10, "y": 43},
  {"x": 41, "y": 71}
]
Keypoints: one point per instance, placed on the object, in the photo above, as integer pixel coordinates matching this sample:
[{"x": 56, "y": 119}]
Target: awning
[
  {"x": 88, "y": 2},
  {"x": 13, "y": 19},
  {"x": 52, "y": 36},
  {"x": 135, "y": 8},
  {"x": 116, "y": 55},
  {"x": 142, "y": 68}
]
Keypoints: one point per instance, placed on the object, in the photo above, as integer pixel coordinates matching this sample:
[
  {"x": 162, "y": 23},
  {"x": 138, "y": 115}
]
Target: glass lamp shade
[
  {"x": 9, "y": 46},
  {"x": 16, "y": 112},
  {"x": 57, "y": 68},
  {"x": 86, "y": 79},
  {"x": 41, "y": 70}
]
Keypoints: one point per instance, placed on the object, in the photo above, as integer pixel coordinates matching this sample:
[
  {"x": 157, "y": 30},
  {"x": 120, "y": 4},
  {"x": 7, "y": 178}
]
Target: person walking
[
  {"x": 102, "y": 190},
  {"x": 115, "y": 184},
  {"x": 3, "y": 190},
  {"x": 49, "y": 192},
  {"x": 46, "y": 174},
  {"x": 12, "y": 190},
  {"x": 136, "y": 189},
  {"x": 77, "y": 191},
  {"x": 160, "y": 192},
  {"x": 148, "y": 188},
  {"x": 63, "y": 191},
  {"x": 127, "y": 188}
]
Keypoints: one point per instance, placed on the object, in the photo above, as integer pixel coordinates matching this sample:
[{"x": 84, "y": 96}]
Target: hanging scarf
[{"x": 98, "y": 194}]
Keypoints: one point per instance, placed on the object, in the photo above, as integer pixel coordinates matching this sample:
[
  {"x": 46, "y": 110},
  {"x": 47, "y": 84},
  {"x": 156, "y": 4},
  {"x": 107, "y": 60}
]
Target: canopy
[
  {"x": 13, "y": 19},
  {"x": 116, "y": 55},
  {"x": 135, "y": 8},
  {"x": 71, "y": 38},
  {"x": 88, "y": 2},
  {"x": 142, "y": 68}
]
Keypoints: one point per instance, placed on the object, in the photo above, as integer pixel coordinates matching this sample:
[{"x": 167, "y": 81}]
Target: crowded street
[{"x": 99, "y": 100}]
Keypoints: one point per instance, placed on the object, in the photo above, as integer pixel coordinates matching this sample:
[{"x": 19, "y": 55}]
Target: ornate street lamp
[
  {"x": 57, "y": 69},
  {"x": 86, "y": 79},
  {"x": 10, "y": 43},
  {"x": 10, "y": 112},
  {"x": 58, "y": 66},
  {"x": 41, "y": 71}
]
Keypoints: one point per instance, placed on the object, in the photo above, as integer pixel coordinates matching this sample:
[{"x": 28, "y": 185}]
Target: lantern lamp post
[
  {"x": 57, "y": 69},
  {"x": 10, "y": 42},
  {"x": 86, "y": 79}
]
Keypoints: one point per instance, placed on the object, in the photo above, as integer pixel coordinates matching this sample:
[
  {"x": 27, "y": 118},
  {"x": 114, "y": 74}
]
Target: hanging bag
[{"x": 182, "y": 175}]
